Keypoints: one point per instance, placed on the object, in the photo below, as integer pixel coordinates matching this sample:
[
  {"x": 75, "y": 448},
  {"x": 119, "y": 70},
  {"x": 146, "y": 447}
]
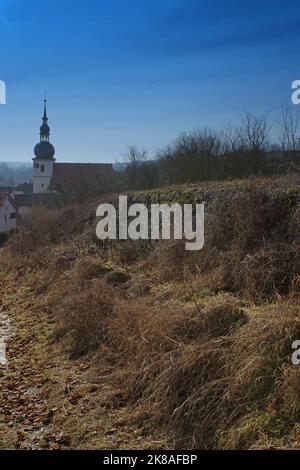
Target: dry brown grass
[
  {"x": 200, "y": 382},
  {"x": 46, "y": 227},
  {"x": 82, "y": 317},
  {"x": 127, "y": 252},
  {"x": 168, "y": 259},
  {"x": 288, "y": 392},
  {"x": 214, "y": 370},
  {"x": 88, "y": 268},
  {"x": 252, "y": 245}
]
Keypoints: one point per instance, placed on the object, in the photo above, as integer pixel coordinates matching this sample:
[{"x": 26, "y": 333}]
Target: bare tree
[
  {"x": 288, "y": 129},
  {"x": 254, "y": 132},
  {"x": 133, "y": 158},
  {"x": 244, "y": 147},
  {"x": 192, "y": 156},
  {"x": 231, "y": 139},
  {"x": 133, "y": 155}
]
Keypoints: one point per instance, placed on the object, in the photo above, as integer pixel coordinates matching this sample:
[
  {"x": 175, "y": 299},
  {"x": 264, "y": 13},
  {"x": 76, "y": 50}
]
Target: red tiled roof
[
  {"x": 4, "y": 196},
  {"x": 70, "y": 174}
]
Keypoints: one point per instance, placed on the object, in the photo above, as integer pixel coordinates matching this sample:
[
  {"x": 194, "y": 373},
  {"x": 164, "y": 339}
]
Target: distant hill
[{"x": 15, "y": 173}]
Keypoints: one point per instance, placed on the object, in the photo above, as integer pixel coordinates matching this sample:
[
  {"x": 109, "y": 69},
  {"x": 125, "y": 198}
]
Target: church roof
[
  {"x": 31, "y": 199},
  {"x": 25, "y": 200},
  {"x": 26, "y": 188},
  {"x": 74, "y": 174}
]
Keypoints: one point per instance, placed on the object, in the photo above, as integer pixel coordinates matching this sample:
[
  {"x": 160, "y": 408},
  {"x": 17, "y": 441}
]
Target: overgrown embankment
[{"x": 189, "y": 350}]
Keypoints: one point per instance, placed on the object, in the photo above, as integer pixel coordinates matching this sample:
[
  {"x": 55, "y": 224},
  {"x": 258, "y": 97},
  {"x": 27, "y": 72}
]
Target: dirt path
[{"x": 50, "y": 402}]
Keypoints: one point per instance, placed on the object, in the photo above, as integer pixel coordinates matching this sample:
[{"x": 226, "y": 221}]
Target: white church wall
[{"x": 42, "y": 174}]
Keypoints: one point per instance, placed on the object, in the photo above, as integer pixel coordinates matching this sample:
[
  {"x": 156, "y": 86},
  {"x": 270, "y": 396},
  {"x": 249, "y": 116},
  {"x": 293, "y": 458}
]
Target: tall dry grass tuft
[
  {"x": 174, "y": 361},
  {"x": 82, "y": 317},
  {"x": 88, "y": 268},
  {"x": 252, "y": 245},
  {"x": 201, "y": 381},
  {"x": 168, "y": 258}
]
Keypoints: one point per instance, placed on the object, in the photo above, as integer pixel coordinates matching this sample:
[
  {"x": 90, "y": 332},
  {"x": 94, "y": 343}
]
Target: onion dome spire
[
  {"x": 44, "y": 129},
  {"x": 44, "y": 150}
]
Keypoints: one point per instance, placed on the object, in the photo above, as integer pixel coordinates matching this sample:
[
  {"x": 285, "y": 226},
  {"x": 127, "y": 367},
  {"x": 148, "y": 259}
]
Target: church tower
[{"x": 44, "y": 158}]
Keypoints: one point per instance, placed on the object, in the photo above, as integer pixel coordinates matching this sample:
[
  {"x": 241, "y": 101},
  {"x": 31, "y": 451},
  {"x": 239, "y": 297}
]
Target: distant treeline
[{"x": 206, "y": 154}]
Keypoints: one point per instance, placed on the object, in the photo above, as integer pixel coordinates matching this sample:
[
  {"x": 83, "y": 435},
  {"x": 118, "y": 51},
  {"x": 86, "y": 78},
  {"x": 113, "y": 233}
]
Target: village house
[{"x": 8, "y": 213}]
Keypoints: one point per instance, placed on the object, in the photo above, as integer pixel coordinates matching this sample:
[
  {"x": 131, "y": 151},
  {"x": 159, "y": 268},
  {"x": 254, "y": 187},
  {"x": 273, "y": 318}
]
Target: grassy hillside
[{"x": 145, "y": 345}]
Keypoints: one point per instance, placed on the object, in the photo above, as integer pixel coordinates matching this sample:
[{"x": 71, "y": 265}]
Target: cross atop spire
[{"x": 45, "y": 118}]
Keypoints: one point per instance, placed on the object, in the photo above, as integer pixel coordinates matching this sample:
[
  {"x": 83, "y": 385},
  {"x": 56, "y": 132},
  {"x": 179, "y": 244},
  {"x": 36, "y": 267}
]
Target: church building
[{"x": 50, "y": 176}]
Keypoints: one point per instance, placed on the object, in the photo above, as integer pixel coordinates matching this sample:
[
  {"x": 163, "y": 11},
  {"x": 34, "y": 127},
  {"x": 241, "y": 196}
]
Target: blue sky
[{"x": 123, "y": 72}]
